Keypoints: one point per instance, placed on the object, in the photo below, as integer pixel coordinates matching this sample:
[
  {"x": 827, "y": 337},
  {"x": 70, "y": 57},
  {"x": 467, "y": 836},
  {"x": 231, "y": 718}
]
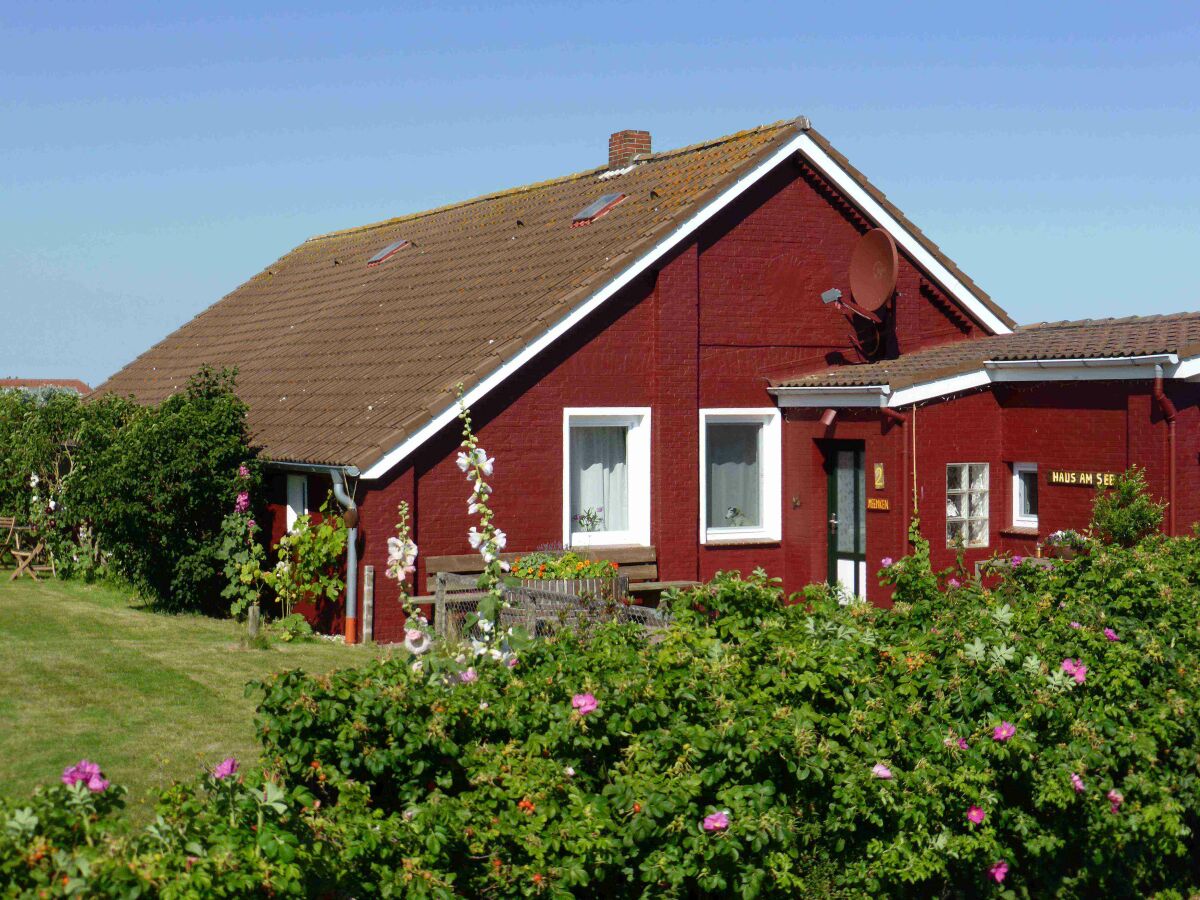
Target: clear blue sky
[{"x": 153, "y": 156}]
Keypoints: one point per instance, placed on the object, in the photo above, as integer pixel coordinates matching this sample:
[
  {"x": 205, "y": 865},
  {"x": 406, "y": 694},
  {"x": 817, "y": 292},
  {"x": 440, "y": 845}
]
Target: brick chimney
[{"x": 623, "y": 146}]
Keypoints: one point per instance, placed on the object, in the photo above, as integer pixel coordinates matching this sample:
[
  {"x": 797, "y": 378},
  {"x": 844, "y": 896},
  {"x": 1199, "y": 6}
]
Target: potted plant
[
  {"x": 567, "y": 572},
  {"x": 1065, "y": 544}
]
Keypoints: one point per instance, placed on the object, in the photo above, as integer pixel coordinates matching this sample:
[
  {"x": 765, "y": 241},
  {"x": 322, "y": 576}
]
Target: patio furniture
[
  {"x": 8, "y": 532},
  {"x": 28, "y": 562}
]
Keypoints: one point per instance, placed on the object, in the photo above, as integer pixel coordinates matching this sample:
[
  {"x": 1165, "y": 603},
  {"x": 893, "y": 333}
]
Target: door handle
[{"x": 833, "y": 522}]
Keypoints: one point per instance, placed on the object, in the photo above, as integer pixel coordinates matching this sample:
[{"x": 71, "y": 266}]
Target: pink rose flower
[
  {"x": 1076, "y": 625},
  {"x": 1110, "y": 634},
  {"x": 879, "y": 770},
  {"x": 954, "y": 583},
  {"x": 1003, "y": 731},
  {"x": 85, "y": 773},
  {"x": 584, "y": 703},
  {"x": 1077, "y": 783},
  {"x": 999, "y": 871},
  {"x": 468, "y": 676},
  {"x": 976, "y": 815},
  {"x": 225, "y": 768},
  {"x": 1115, "y": 799},
  {"x": 886, "y": 562},
  {"x": 1016, "y": 561},
  {"x": 511, "y": 662},
  {"x": 962, "y": 744},
  {"x": 1076, "y": 669},
  {"x": 717, "y": 821}
]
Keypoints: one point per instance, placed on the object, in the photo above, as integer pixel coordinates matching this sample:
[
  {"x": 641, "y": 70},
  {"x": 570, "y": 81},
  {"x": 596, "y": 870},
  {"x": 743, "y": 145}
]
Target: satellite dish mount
[{"x": 874, "y": 266}]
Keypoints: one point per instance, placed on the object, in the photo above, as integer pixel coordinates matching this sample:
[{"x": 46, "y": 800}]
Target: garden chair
[{"x": 8, "y": 537}]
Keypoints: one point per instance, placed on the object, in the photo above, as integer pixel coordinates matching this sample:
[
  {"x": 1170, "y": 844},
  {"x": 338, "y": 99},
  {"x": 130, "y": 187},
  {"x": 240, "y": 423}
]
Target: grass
[{"x": 87, "y": 672}]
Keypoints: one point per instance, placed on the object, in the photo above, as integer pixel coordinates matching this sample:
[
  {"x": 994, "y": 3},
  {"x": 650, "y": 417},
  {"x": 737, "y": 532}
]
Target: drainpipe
[
  {"x": 901, "y": 419},
  {"x": 1167, "y": 408},
  {"x": 345, "y": 498}
]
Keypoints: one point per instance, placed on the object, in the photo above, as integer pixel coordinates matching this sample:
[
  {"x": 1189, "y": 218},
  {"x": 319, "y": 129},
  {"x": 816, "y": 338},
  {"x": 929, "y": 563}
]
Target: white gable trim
[
  {"x": 848, "y": 185},
  {"x": 1111, "y": 368},
  {"x": 800, "y": 143}
]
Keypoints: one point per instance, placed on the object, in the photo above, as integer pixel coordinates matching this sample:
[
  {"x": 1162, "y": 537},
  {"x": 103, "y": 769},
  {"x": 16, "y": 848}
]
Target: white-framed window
[
  {"x": 1025, "y": 495},
  {"x": 967, "y": 504},
  {"x": 740, "y": 475},
  {"x": 297, "y": 499},
  {"x": 606, "y": 476}
]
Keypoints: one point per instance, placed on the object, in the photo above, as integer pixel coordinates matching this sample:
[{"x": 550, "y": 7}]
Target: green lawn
[{"x": 85, "y": 672}]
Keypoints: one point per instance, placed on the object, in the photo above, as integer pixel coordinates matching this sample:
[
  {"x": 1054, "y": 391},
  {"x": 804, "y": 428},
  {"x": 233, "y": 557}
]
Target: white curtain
[
  {"x": 732, "y": 453},
  {"x": 600, "y": 477}
]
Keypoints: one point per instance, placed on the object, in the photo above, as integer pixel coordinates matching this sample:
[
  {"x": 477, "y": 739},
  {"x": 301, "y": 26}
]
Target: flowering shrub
[
  {"x": 310, "y": 564},
  {"x": 544, "y": 564}
]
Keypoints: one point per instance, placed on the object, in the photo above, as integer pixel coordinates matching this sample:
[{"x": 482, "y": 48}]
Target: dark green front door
[{"x": 847, "y": 520}]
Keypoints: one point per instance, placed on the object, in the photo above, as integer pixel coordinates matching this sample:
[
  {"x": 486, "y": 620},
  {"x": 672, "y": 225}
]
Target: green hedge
[{"x": 752, "y": 749}]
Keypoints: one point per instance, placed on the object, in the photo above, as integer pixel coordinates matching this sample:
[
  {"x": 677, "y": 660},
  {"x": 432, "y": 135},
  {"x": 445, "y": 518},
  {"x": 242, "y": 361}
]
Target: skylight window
[
  {"x": 596, "y": 209},
  {"x": 386, "y": 252}
]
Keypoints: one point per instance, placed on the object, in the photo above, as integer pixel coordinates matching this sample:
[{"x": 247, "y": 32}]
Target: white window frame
[
  {"x": 770, "y": 475},
  {"x": 637, "y": 458},
  {"x": 297, "y": 499},
  {"x": 987, "y": 531},
  {"x": 1019, "y": 520}
]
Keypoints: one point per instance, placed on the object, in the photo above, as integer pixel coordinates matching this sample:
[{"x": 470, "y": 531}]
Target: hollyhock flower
[
  {"x": 999, "y": 871},
  {"x": 976, "y": 815},
  {"x": 243, "y": 502},
  {"x": 1077, "y": 783},
  {"x": 584, "y": 703},
  {"x": 879, "y": 770},
  {"x": 251, "y": 524},
  {"x": 886, "y": 562},
  {"x": 481, "y": 461},
  {"x": 1016, "y": 561},
  {"x": 500, "y": 539},
  {"x": 53, "y": 506},
  {"x": 1003, "y": 731},
  {"x": 954, "y": 583},
  {"x": 468, "y": 676},
  {"x": 1076, "y": 625},
  {"x": 463, "y": 462},
  {"x": 717, "y": 821},
  {"x": 1115, "y": 799},
  {"x": 416, "y": 642},
  {"x": 243, "y": 471},
  {"x": 225, "y": 768},
  {"x": 475, "y": 537},
  {"x": 1110, "y": 634}
]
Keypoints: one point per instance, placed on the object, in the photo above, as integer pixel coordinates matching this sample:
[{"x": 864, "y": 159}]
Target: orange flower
[
  {"x": 613, "y": 564},
  {"x": 526, "y": 806},
  {"x": 637, "y": 808},
  {"x": 537, "y": 877}
]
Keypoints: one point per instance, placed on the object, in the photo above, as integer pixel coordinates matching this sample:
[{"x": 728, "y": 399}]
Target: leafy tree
[{"x": 1125, "y": 513}]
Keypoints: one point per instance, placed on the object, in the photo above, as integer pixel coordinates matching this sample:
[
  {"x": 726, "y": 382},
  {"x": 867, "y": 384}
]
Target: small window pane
[
  {"x": 599, "y": 478},
  {"x": 954, "y": 533},
  {"x": 954, "y": 478},
  {"x": 1028, "y": 498},
  {"x": 979, "y": 505},
  {"x": 954, "y": 506},
  {"x": 979, "y": 478},
  {"x": 734, "y": 474},
  {"x": 978, "y": 532}
]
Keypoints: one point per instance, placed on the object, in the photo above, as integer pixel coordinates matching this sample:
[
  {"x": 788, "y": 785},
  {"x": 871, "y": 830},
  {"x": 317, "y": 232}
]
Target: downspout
[
  {"x": 901, "y": 419},
  {"x": 345, "y": 498},
  {"x": 1167, "y": 408}
]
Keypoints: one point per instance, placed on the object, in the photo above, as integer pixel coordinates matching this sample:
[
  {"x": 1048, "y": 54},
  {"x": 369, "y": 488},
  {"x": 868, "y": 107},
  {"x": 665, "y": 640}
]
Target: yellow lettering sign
[
  {"x": 1081, "y": 478},
  {"x": 879, "y": 503}
]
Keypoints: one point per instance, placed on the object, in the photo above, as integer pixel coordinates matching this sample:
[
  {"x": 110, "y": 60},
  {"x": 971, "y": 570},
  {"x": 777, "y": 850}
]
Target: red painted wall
[{"x": 708, "y": 329}]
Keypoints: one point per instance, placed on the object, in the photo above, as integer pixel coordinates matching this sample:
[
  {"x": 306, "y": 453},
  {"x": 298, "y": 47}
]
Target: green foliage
[
  {"x": 1125, "y": 513},
  {"x": 310, "y": 561},
  {"x": 292, "y": 628},
  {"x": 843, "y": 746},
  {"x": 241, "y": 554},
  {"x": 163, "y": 488},
  {"x": 546, "y": 564}
]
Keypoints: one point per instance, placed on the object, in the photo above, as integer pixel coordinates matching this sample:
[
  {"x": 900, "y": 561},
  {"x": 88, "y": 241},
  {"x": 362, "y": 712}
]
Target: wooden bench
[{"x": 638, "y": 564}]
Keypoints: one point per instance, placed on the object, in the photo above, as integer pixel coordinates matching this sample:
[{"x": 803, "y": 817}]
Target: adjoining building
[{"x": 648, "y": 356}]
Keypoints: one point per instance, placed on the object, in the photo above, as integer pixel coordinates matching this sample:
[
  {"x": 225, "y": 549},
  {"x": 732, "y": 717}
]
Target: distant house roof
[
  {"x": 70, "y": 384},
  {"x": 349, "y": 347},
  {"x": 1089, "y": 345}
]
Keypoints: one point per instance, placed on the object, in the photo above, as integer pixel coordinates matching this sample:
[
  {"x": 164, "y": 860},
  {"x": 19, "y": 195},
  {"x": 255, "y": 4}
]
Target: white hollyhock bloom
[
  {"x": 488, "y": 554},
  {"x": 463, "y": 461},
  {"x": 505, "y": 567},
  {"x": 475, "y": 537},
  {"x": 417, "y": 642},
  {"x": 486, "y": 626},
  {"x": 501, "y": 539},
  {"x": 33, "y": 480},
  {"x": 53, "y": 506},
  {"x": 472, "y": 508}
]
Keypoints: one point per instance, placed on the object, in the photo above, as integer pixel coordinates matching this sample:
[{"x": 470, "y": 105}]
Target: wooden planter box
[{"x": 584, "y": 588}]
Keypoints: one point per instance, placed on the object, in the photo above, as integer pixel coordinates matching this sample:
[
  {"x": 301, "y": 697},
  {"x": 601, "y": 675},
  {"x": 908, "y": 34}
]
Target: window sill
[
  {"x": 1019, "y": 531},
  {"x": 742, "y": 542}
]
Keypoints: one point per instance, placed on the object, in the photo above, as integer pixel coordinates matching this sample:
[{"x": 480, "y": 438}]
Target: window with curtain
[
  {"x": 1025, "y": 495},
  {"x": 599, "y": 478},
  {"x": 740, "y": 475},
  {"x": 732, "y": 452}
]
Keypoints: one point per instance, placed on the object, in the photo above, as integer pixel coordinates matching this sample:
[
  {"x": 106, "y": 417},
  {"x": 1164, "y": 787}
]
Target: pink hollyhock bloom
[
  {"x": 251, "y": 524},
  {"x": 243, "y": 502},
  {"x": 243, "y": 471},
  {"x": 879, "y": 770},
  {"x": 1003, "y": 731},
  {"x": 999, "y": 871},
  {"x": 886, "y": 562},
  {"x": 468, "y": 676},
  {"x": 962, "y": 744},
  {"x": 225, "y": 768},
  {"x": 1017, "y": 560},
  {"x": 1077, "y": 783},
  {"x": 976, "y": 815},
  {"x": 717, "y": 821},
  {"x": 1110, "y": 634},
  {"x": 1115, "y": 799},
  {"x": 584, "y": 703},
  {"x": 1076, "y": 625},
  {"x": 954, "y": 583}
]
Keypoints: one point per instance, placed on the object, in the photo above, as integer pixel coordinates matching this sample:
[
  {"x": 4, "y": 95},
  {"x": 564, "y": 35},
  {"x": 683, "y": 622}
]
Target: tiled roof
[
  {"x": 340, "y": 362},
  {"x": 1085, "y": 339},
  {"x": 72, "y": 384}
]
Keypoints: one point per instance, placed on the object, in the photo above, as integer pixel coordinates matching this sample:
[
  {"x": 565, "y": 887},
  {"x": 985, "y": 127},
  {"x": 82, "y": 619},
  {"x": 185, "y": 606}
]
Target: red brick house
[{"x": 646, "y": 353}]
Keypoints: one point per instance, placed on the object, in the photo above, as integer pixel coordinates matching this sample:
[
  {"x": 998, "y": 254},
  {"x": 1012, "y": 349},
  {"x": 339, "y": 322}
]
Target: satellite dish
[{"x": 873, "y": 268}]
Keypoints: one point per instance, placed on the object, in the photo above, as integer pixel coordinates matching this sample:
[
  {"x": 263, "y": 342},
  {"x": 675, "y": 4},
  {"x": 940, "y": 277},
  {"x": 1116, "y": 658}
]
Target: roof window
[
  {"x": 386, "y": 252},
  {"x": 596, "y": 209}
]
